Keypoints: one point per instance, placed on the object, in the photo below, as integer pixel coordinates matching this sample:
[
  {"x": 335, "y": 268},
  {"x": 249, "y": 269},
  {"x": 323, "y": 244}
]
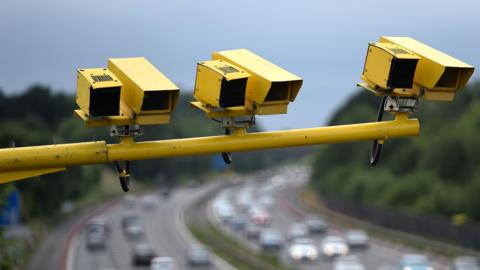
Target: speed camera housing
[
  {"x": 270, "y": 88},
  {"x": 220, "y": 84},
  {"x": 389, "y": 67},
  {"x": 438, "y": 76},
  {"x": 98, "y": 93},
  {"x": 147, "y": 96}
]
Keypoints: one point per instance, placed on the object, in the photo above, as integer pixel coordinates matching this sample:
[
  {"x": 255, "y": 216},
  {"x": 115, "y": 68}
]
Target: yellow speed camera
[
  {"x": 389, "y": 67},
  {"x": 98, "y": 93},
  {"x": 270, "y": 88},
  {"x": 220, "y": 84},
  {"x": 148, "y": 96},
  {"x": 438, "y": 75}
]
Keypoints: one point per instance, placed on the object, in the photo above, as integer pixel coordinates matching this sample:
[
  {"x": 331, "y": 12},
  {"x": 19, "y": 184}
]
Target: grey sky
[{"x": 322, "y": 42}]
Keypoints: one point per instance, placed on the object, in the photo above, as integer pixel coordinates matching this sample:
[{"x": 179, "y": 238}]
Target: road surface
[
  {"x": 164, "y": 227},
  {"x": 381, "y": 254}
]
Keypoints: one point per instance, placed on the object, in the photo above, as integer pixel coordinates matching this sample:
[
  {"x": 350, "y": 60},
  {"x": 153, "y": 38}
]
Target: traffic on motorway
[
  {"x": 260, "y": 215},
  {"x": 140, "y": 233},
  {"x": 258, "y": 210}
]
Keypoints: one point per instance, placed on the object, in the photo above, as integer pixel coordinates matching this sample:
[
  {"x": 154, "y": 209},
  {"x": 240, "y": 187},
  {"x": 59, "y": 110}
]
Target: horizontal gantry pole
[{"x": 21, "y": 162}]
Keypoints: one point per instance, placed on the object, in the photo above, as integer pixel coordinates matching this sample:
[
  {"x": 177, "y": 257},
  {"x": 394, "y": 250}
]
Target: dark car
[
  {"x": 96, "y": 241},
  {"x": 129, "y": 220},
  {"x": 98, "y": 224},
  {"x": 252, "y": 231},
  {"x": 164, "y": 192},
  {"x": 316, "y": 224},
  {"x": 198, "y": 255},
  {"x": 357, "y": 239},
  {"x": 142, "y": 254},
  {"x": 271, "y": 240},
  {"x": 238, "y": 223}
]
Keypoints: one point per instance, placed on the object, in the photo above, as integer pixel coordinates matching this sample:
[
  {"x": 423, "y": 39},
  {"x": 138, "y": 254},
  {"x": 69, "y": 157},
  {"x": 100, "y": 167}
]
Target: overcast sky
[{"x": 322, "y": 42}]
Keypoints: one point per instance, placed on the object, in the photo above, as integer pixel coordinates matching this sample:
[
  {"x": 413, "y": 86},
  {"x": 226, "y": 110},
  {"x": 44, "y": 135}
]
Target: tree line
[{"x": 436, "y": 173}]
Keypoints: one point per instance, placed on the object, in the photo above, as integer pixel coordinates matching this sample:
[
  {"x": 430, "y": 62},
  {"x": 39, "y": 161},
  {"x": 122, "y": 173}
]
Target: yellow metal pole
[
  {"x": 263, "y": 140},
  {"x": 27, "y": 161}
]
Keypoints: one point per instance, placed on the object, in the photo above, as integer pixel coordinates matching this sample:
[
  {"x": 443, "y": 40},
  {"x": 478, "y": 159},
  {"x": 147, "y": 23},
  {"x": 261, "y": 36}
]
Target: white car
[
  {"x": 303, "y": 249},
  {"x": 334, "y": 246},
  {"x": 148, "y": 202},
  {"x": 135, "y": 231},
  {"x": 348, "y": 263},
  {"x": 224, "y": 212},
  {"x": 163, "y": 263}
]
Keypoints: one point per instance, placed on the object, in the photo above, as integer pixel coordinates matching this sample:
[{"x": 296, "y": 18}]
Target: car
[
  {"x": 465, "y": 263},
  {"x": 164, "y": 192},
  {"x": 224, "y": 212},
  {"x": 198, "y": 255},
  {"x": 219, "y": 202},
  {"x": 303, "y": 249},
  {"x": 163, "y": 263},
  {"x": 142, "y": 254},
  {"x": 415, "y": 262},
  {"x": 297, "y": 230},
  {"x": 99, "y": 224},
  {"x": 271, "y": 240},
  {"x": 357, "y": 239},
  {"x": 129, "y": 201},
  {"x": 244, "y": 200},
  {"x": 259, "y": 216},
  {"x": 96, "y": 240},
  {"x": 148, "y": 202},
  {"x": 238, "y": 223},
  {"x": 128, "y": 220},
  {"x": 135, "y": 231},
  {"x": 316, "y": 225},
  {"x": 333, "y": 246},
  {"x": 252, "y": 231},
  {"x": 348, "y": 262}
]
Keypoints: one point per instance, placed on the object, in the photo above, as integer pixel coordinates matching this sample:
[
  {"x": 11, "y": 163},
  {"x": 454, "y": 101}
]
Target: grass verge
[{"x": 234, "y": 252}]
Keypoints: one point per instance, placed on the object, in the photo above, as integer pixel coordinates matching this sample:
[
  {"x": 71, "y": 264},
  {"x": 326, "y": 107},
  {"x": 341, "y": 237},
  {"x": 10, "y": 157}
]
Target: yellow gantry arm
[{"x": 22, "y": 162}]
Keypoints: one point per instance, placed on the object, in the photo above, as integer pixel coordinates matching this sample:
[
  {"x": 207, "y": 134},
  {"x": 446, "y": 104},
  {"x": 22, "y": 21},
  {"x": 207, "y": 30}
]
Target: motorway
[
  {"x": 381, "y": 254},
  {"x": 164, "y": 228}
]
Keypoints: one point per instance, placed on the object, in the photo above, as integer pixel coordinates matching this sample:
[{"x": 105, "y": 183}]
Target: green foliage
[{"x": 436, "y": 173}]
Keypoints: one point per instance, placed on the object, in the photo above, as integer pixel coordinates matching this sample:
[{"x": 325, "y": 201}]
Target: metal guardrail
[{"x": 466, "y": 235}]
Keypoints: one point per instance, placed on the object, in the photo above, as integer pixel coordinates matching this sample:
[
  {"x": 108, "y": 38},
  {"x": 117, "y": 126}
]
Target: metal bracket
[
  {"x": 237, "y": 122},
  {"x": 126, "y": 131},
  {"x": 401, "y": 104}
]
